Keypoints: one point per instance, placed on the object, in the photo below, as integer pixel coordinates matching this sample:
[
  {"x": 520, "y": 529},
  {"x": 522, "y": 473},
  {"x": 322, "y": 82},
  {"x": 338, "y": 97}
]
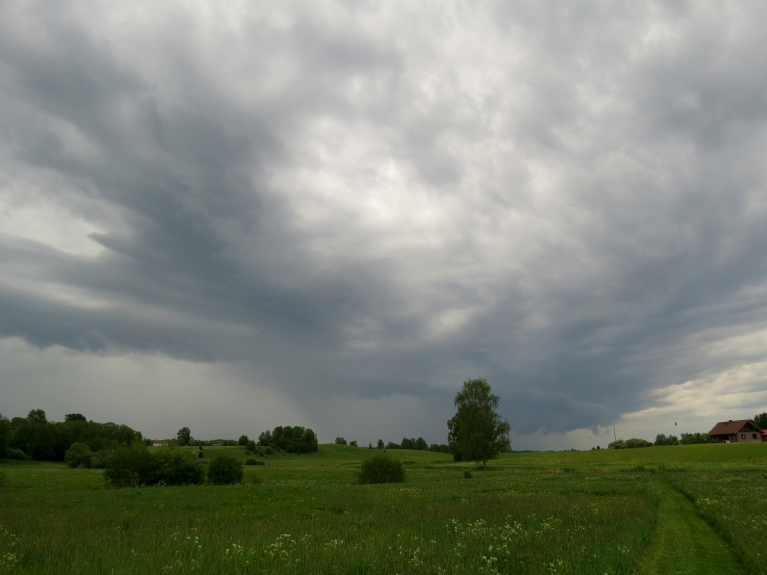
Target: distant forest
[
  {"x": 34, "y": 437},
  {"x": 417, "y": 444}
]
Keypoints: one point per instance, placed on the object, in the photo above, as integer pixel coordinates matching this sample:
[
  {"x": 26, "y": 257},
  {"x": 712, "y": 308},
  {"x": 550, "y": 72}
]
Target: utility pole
[{"x": 614, "y": 436}]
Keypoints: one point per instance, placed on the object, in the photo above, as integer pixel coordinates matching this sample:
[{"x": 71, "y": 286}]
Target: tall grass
[
  {"x": 314, "y": 519},
  {"x": 734, "y": 503}
]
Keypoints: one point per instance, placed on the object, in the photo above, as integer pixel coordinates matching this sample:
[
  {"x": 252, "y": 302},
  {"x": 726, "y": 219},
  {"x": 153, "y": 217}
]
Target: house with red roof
[{"x": 739, "y": 431}]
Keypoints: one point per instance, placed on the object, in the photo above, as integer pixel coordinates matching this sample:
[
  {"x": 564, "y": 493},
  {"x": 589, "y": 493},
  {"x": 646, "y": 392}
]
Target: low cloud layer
[{"x": 363, "y": 205}]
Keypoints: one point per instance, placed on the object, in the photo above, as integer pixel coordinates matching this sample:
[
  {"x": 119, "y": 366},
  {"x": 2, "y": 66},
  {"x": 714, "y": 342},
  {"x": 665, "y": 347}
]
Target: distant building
[{"x": 739, "y": 431}]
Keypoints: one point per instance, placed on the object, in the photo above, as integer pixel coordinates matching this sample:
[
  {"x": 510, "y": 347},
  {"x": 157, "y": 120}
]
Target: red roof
[{"x": 729, "y": 427}]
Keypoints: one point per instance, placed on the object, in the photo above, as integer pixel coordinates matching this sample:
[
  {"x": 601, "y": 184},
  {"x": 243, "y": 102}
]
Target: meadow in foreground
[{"x": 525, "y": 515}]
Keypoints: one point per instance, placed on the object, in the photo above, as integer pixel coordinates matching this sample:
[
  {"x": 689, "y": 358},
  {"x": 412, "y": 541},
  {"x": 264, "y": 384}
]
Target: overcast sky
[{"x": 238, "y": 215}]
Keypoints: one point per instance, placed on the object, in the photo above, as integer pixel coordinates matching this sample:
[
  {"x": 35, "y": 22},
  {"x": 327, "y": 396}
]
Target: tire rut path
[{"x": 683, "y": 543}]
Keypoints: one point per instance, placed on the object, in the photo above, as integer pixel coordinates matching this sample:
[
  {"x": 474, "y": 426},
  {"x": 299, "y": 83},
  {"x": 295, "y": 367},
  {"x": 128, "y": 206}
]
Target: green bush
[
  {"x": 134, "y": 467},
  {"x": 635, "y": 442},
  {"x": 177, "y": 467},
  {"x": 251, "y": 445},
  {"x": 382, "y": 469},
  {"x": 17, "y": 454},
  {"x": 467, "y": 474},
  {"x": 130, "y": 468},
  {"x": 79, "y": 454},
  {"x": 225, "y": 470},
  {"x": 252, "y": 461},
  {"x": 661, "y": 439}
]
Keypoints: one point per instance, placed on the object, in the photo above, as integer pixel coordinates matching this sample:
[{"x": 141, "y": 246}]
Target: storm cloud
[{"x": 368, "y": 203}]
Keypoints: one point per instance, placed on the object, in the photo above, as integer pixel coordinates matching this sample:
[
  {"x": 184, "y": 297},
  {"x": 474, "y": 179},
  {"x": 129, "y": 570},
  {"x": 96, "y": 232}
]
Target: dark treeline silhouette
[
  {"x": 34, "y": 437},
  {"x": 291, "y": 439},
  {"x": 661, "y": 440},
  {"x": 417, "y": 444}
]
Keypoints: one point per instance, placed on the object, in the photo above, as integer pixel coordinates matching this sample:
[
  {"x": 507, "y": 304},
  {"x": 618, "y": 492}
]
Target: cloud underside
[{"x": 382, "y": 200}]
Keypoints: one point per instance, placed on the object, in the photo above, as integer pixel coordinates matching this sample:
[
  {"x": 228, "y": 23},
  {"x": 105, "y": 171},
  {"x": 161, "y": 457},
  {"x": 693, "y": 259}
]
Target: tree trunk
[{"x": 484, "y": 463}]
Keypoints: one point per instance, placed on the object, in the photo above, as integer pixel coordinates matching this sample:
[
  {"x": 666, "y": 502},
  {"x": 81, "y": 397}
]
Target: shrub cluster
[
  {"x": 225, "y": 470},
  {"x": 291, "y": 439},
  {"x": 418, "y": 444},
  {"x": 629, "y": 443},
  {"x": 694, "y": 438},
  {"x": 661, "y": 439},
  {"x": 133, "y": 467},
  {"x": 382, "y": 469},
  {"x": 80, "y": 455},
  {"x": 252, "y": 461}
]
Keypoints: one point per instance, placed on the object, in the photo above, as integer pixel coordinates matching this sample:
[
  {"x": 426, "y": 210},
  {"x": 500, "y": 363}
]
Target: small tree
[
  {"x": 382, "y": 469},
  {"x": 184, "y": 436},
  {"x": 476, "y": 431},
  {"x": 243, "y": 440},
  {"x": 251, "y": 445},
  {"x": 225, "y": 470},
  {"x": 353, "y": 443},
  {"x": 78, "y": 454},
  {"x": 340, "y": 441}
]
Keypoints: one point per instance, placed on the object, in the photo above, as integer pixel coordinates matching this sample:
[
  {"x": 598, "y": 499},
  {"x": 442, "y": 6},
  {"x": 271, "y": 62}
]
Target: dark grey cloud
[{"x": 567, "y": 200}]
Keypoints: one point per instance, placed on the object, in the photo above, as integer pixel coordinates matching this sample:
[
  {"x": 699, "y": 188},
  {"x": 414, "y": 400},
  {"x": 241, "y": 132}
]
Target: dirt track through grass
[{"x": 683, "y": 543}]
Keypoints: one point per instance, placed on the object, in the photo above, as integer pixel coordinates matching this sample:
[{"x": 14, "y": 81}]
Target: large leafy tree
[
  {"x": 37, "y": 416},
  {"x": 477, "y": 432},
  {"x": 184, "y": 436}
]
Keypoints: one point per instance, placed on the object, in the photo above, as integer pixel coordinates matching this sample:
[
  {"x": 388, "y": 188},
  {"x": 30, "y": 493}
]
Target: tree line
[
  {"x": 34, "y": 437},
  {"x": 661, "y": 439},
  {"x": 295, "y": 439},
  {"x": 415, "y": 444}
]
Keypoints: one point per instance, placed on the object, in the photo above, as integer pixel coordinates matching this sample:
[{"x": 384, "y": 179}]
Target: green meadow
[{"x": 681, "y": 509}]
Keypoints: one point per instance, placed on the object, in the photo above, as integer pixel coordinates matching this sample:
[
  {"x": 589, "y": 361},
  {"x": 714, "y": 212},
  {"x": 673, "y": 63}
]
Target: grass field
[{"x": 681, "y": 509}]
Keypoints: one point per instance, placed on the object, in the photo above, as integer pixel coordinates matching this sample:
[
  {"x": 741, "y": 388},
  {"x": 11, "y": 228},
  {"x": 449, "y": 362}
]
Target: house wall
[
  {"x": 736, "y": 437},
  {"x": 749, "y": 437}
]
